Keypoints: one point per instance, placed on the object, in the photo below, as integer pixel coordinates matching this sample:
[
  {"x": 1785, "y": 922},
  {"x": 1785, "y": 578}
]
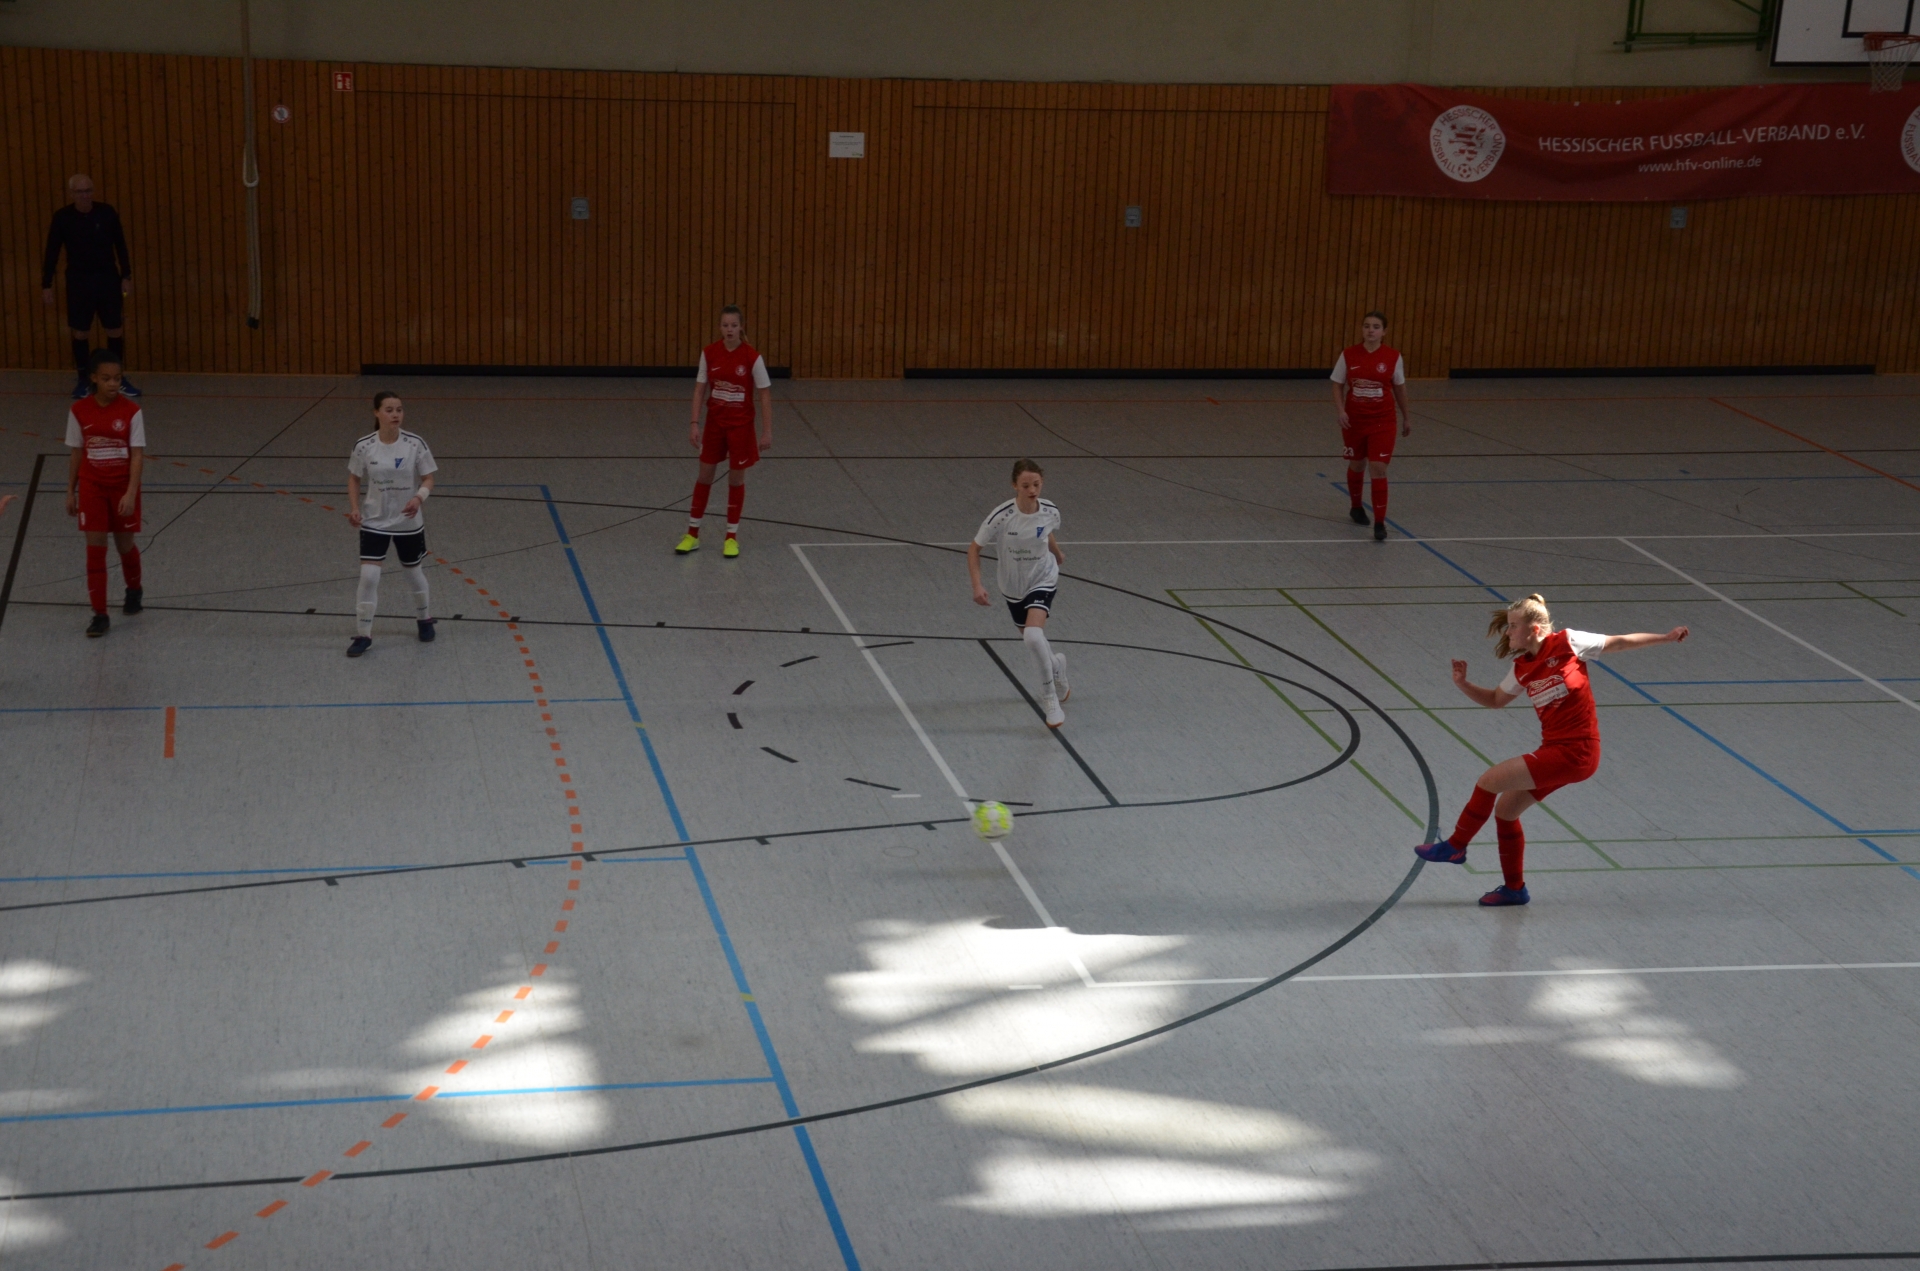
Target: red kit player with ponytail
[
  {"x": 732, "y": 380},
  {"x": 1550, "y": 668}
]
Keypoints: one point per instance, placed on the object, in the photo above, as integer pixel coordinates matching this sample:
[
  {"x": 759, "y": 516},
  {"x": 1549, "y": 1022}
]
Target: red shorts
[
  {"x": 100, "y": 509},
  {"x": 738, "y": 446},
  {"x": 1561, "y": 763},
  {"x": 1368, "y": 441}
]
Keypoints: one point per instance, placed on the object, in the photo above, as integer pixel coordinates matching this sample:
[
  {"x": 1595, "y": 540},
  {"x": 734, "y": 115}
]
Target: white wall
[{"x": 1540, "y": 42}]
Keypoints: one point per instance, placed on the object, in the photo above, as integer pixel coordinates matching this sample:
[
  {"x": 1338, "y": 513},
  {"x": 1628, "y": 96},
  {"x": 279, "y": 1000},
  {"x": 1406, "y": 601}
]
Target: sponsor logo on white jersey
[
  {"x": 1910, "y": 140},
  {"x": 731, "y": 393},
  {"x": 1466, "y": 143}
]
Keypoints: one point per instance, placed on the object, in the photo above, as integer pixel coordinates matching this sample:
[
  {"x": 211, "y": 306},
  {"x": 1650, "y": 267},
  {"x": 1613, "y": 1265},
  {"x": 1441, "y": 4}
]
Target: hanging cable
[{"x": 250, "y": 169}]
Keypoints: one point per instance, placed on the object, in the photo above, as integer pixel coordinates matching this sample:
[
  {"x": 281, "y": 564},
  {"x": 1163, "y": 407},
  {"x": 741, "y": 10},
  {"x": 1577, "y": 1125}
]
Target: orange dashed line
[
  {"x": 456, "y": 1066},
  {"x": 526, "y": 991},
  {"x": 178, "y": 464},
  {"x": 167, "y": 753},
  {"x": 426, "y": 1094},
  {"x": 561, "y": 925},
  {"x": 539, "y": 969},
  {"x": 568, "y": 904},
  {"x": 258, "y": 486},
  {"x": 272, "y": 1209},
  {"x": 576, "y": 829},
  {"x": 283, "y": 492},
  {"x": 393, "y": 1120},
  {"x": 317, "y": 1179},
  {"x": 326, "y": 507},
  {"x": 305, "y": 499},
  {"x": 529, "y": 661},
  {"x": 209, "y": 471},
  {"x": 483, "y": 591},
  {"x": 575, "y": 884},
  {"x": 178, "y": 1266},
  {"x": 358, "y": 1148},
  {"x": 217, "y": 1241},
  {"x": 503, "y": 1017},
  {"x": 553, "y": 946},
  {"x": 482, "y": 1043}
]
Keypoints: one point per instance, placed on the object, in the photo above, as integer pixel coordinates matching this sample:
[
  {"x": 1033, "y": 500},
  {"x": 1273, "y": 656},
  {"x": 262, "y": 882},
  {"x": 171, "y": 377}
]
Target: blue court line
[
  {"x": 1620, "y": 480},
  {"x": 335, "y": 872},
  {"x": 1884, "y": 679},
  {"x": 776, "y": 1072},
  {"x": 1768, "y": 777},
  {"x": 375, "y": 1098},
  {"x": 287, "y": 706}
]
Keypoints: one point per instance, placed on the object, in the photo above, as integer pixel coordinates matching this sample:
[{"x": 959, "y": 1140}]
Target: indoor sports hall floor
[{"x": 296, "y": 951}]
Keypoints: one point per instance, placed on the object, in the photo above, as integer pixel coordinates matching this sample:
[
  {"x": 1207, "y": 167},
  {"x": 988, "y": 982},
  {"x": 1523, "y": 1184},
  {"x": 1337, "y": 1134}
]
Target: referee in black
[{"x": 99, "y": 273}]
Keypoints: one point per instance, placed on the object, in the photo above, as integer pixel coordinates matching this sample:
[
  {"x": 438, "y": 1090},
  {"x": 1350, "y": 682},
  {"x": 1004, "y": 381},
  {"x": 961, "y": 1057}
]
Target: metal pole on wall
[{"x": 250, "y": 170}]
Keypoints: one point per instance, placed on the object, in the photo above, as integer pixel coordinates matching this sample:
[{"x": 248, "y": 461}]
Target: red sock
[
  {"x": 736, "y": 499},
  {"x": 97, "y": 577},
  {"x": 1513, "y": 851},
  {"x": 701, "y": 489},
  {"x": 130, "y": 567},
  {"x": 1472, "y": 817},
  {"x": 1379, "y": 500},
  {"x": 1354, "y": 480}
]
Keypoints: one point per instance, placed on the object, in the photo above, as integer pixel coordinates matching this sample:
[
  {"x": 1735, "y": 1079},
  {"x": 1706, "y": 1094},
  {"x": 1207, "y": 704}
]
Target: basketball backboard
[{"x": 1827, "y": 32}]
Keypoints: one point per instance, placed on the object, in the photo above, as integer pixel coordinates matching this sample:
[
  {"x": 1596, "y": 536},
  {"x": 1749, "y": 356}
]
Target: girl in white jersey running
[
  {"x": 1021, "y": 533},
  {"x": 389, "y": 477}
]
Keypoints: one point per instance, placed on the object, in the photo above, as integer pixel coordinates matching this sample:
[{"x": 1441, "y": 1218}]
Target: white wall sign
[{"x": 846, "y": 145}]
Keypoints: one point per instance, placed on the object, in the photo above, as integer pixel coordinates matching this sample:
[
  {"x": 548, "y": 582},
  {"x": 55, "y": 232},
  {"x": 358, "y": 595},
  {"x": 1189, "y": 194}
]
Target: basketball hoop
[{"x": 1888, "y": 53}]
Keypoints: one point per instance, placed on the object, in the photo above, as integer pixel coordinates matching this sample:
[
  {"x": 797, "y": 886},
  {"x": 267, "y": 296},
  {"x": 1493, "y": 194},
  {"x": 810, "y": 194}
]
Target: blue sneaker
[
  {"x": 360, "y": 645},
  {"x": 1505, "y": 895},
  {"x": 1441, "y": 853},
  {"x": 426, "y": 629}
]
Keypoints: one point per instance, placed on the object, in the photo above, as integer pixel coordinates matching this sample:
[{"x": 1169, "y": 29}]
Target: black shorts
[
  {"x": 1041, "y": 600},
  {"x": 411, "y": 547},
  {"x": 91, "y": 294}
]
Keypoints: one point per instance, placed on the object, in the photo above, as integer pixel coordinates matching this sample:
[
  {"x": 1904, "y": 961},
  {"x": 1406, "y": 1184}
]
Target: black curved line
[
  {"x": 1722, "y": 1259},
  {"x": 1380, "y": 911},
  {"x": 811, "y": 1119}
]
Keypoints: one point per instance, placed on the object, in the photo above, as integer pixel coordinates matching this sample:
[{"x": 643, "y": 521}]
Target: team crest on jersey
[
  {"x": 739, "y": 370},
  {"x": 1380, "y": 368},
  {"x": 1466, "y": 143},
  {"x": 119, "y": 425}
]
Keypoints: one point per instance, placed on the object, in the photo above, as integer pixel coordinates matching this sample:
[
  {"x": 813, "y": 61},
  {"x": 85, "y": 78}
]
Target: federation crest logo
[
  {"x": 1467, "y": 142},
  {"x": 739, "y": 370},
  {"x": 1910, "y": 140},
  {"x": 119, "y": 425},
  {"x": 1380, "y": 368}
]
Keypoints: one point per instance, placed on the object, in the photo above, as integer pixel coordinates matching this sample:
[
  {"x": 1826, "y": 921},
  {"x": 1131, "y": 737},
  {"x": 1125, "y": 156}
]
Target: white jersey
[
  {"x": 1020, "y": 540},
  {"x": 389, "y": 477}
]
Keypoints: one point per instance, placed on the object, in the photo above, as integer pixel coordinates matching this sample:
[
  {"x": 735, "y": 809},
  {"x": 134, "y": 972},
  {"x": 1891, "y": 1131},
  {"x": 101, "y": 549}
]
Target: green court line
[
  {"x": 1476, "y": 604},
  {"x": 1875, "y": 599},
  {"x": 1643, "y": 706},
  {"x": 1661, "y": 869},
  {"x": 1471, "y": 748},
  {"x": 1276, "y": 690}
]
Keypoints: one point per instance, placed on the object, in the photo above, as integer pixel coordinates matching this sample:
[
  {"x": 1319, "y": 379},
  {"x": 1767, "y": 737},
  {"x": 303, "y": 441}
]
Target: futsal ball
[{"x": 992, "y": 820}]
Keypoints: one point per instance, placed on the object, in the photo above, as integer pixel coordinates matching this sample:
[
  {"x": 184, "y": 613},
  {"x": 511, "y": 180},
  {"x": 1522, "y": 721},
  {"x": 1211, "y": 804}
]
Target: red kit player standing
[
  {"x": 1550, "y": 668},
  {"x": 107, "y": 439},
  {"x": 732, "y": 380},
  {"x": 1368, "y": 380}
]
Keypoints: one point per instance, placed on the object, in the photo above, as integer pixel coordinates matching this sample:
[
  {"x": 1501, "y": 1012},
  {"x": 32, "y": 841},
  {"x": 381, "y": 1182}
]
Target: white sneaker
[
  {"x": 1055, "y": 716},
  {"x": 1060, "y": 677}
]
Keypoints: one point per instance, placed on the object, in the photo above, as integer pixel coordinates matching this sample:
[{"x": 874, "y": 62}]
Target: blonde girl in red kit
[
  {"x": 731, "y": 381},
  {"x": 1368, "y": 381},
  {"x": 1550, "y": 668}
]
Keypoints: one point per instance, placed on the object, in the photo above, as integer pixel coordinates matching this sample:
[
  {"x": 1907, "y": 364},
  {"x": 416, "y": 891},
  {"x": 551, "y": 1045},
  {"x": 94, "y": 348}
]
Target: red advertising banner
[{"x": 1407, "y": 139}]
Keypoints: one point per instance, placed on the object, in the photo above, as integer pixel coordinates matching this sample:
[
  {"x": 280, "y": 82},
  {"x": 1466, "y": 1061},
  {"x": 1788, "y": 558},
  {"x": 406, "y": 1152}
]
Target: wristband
[{"x": 423, "y": 492}]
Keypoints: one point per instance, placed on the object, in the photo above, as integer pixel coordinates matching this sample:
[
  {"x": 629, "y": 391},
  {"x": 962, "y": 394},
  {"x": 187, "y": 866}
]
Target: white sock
[
  {"x": 368, "y": 598},
  {"x": 416, "y": 576},
  {"x": 1036, "y": 638}
]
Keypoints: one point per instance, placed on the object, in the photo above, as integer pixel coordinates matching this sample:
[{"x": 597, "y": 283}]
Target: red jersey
[
  {"x": 1370, "y": 378},
  {"x": 1555, "y": 681},
  {"x": 731, "y": 376},
  {"x": 106, "y": 436}
]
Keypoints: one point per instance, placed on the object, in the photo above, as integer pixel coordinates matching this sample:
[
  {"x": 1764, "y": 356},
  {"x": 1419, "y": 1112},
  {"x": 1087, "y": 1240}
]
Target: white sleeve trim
[
  {"x": 700, "y": 376},
  {"x": 75, "y": 437},
  {"x": 424, "y": 466},
  {"x": 760, "y": 377},
  {"x": 137, "y": 431},
  {"x": 1400, "y": 370},
  {"x": 1511, "y": 684},
  {"x": 1339, "y": 375},
  {"x": 1585, "y": 644}
]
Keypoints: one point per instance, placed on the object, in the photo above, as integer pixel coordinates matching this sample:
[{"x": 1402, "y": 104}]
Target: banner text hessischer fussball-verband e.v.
[{"x": 1408, "y": 139}]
